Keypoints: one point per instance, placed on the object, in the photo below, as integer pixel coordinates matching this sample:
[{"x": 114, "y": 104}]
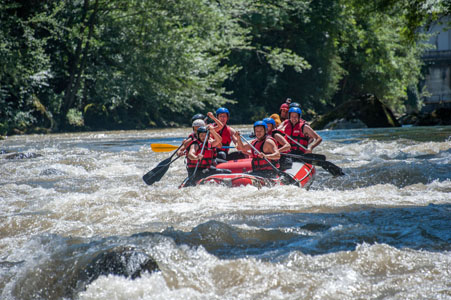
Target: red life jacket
[
  {"x": 259, "y": 164},
  {"x": 207, "y": 160},
  {"x": 297, "y": 134},
  {"x": 226, "y": 136}
]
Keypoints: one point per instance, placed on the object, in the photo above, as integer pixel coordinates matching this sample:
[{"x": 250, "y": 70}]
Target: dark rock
[
  {"x": 367, "y": 110},
  {"x": 22, "y": 155},
  {"x": 439, "y": 116},
  {"x": 345, "y": 124},
  {"x": 51, "y": 171},
  {"x": 122, "y": 261}
]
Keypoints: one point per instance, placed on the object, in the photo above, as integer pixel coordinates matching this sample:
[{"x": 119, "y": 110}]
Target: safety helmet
[
  {"x": 198, "y": 123},
  {"x": 270, "y": 121},
  {"x": 197, "y": 117},
  {"x": 295, "y": 110},
  {"x": 261, "y": 123},
  {"x": 222, "y": 110},
  {"x": 200, "y": 130},
  {"x": 295, "y": 104},
  {"x": 285, "y": 105}
]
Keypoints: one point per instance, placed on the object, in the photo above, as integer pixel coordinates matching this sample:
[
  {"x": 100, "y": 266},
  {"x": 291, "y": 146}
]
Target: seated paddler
[
  {"x": 263, "y": 150},
  {"x": 202, "y": 152}
]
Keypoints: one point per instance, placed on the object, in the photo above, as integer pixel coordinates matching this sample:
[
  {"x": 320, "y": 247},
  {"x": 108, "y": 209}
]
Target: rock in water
[
  {"x": 22, "y": 155},
  {"x": 366, "y": 110},
  {"x": 122, "y": 261}
]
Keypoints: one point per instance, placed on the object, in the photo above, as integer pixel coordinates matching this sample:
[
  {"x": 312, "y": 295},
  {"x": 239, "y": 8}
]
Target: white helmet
[{"x": 198, "y": 123}]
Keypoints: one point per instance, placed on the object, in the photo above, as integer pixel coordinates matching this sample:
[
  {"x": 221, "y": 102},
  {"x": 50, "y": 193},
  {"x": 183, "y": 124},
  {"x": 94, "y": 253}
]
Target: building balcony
[{"x": 443, "y": 55}]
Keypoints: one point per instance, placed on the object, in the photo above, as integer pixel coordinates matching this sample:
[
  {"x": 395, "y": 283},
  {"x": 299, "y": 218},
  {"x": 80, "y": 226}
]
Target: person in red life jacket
[
  {"x": 228, "y": 135},
  {"x": 282, "y": 144},
  {"x": 302, "y": 138},
  {"x": 267, "y": 151},
  {"x": 197, "y": 123},
  {"x": 197, "y": 120},
  {"x": 285, "y": 122},
  {"x": 283, "y": 114},
  {"x": 204, "y": 162}
]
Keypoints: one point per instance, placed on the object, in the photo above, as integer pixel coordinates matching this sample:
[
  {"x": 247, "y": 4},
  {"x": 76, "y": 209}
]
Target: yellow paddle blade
[{"x": 163, "y": 147}]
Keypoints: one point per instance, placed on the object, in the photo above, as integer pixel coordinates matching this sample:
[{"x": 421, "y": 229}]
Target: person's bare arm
[
  {"x": 216, "y": 140},
  {"x": 182, "y": 149},
  {"x": 271, "y": 149},
  {"x": 309, "y": 132},
  {"x": 192, "y": 152},
  {"x": 232, "y": 135},
  {"x": 285, "y": 145},
  {"x": 216, "y": 120},
  {"x": 239, "y": 143}
]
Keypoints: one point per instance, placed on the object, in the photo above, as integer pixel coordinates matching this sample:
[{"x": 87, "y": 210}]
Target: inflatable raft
[{"x": 303, "y": 173}]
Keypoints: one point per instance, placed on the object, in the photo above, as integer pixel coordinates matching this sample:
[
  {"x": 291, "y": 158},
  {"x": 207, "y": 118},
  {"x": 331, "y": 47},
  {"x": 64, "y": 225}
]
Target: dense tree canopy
[{"x": 97, "y": 64}]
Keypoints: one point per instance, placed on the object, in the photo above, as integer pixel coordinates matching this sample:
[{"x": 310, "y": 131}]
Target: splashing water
[{"x": 381, "y": 231}]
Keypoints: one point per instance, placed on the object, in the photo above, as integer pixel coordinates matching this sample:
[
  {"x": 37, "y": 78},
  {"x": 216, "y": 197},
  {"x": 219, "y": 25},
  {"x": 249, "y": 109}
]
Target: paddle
[
  {"x": 158, "y": 172},
  {"x": 326, "y": 165},
  {"x": 169, "y": 147},
  {"x": 163, "y": 147},
  {"x": 188, "y": 180},
  {"x": 286, "y": 175}
]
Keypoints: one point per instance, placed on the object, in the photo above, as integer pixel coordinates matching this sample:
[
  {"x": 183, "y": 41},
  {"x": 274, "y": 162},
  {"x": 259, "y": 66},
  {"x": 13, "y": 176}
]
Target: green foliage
[{"x": 101, "y": 64}]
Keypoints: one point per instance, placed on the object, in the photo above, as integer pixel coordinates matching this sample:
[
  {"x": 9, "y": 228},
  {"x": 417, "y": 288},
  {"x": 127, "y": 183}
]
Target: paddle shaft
[
  {"x": 168, "y": 147},
  {"x": 201, "y": 152},
  {"x": 327, "y": 165},
  {"x": 295, "y": 142}
]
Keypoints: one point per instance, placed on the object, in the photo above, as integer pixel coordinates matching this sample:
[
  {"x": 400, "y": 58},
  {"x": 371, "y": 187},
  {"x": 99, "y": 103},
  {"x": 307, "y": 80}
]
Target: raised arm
[
  {"x": 216, "y": 120},
  {"x": 216, "y": 140}
]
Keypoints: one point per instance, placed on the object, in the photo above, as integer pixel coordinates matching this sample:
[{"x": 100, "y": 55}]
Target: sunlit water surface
[{"x": 383, "y": 231}]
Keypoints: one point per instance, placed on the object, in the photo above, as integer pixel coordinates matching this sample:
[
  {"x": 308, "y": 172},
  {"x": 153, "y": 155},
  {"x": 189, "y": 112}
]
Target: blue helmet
[
  {"x": 270, "y": 121},
  {"x": 260, "y": 123},
  {"x": 295, "y": 104},
  {"x": 222, "y": 110},
  {"x": 295, "y": 110}
]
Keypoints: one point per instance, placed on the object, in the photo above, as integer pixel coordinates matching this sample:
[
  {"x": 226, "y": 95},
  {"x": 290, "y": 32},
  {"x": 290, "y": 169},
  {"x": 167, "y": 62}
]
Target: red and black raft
[{"x": 303, "y": 173}]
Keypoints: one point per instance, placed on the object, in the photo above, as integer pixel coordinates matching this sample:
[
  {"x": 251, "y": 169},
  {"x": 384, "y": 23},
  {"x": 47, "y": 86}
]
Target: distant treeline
[{"x": 115, "y": 64}]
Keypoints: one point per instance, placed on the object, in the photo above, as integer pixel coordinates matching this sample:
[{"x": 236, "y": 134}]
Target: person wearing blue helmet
[
  {"x": 281, "y": 142},
  {"x": 302, "y": 138},
  {"x": 266, "y": 151},
  {"x": 227, "y": 134}
]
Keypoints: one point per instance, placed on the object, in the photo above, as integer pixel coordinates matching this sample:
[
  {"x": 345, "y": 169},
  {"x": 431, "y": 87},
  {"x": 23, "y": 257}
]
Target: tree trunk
[{"x": 79, "y": 60}]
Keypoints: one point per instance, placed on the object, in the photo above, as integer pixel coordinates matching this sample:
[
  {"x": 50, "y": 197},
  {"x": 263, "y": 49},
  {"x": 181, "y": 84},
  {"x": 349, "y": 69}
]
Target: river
[{"x": 382, "y": 231}]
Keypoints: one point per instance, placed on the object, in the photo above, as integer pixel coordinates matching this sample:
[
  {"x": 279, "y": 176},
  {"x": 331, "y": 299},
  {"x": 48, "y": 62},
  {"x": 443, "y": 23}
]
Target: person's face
[
  {"x": 195, "y": 128},
  {"x": 223, "y": 118},
  {"x": 259, "y": 131},
  {"x": 294, "y": 118},
  {"x": 270, "y": 127},
  {"x": 202, "y": 136},
  {"x": 284, "y": 113}
]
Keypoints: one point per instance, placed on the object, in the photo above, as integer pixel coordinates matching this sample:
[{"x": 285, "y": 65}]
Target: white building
[{"x": 438, "y": 65}]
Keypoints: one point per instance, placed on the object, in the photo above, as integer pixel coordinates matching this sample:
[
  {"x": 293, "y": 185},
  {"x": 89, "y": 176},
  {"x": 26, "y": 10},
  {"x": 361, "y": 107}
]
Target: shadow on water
[
  {"x": 421, "y": 228},
  {"x": 263, "y": 236},
  {"x": 400, "y": 173}
]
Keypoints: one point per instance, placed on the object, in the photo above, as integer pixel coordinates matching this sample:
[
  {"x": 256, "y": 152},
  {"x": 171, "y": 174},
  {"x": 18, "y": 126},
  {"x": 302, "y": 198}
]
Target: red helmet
[{"x": 285, "y": 105}]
